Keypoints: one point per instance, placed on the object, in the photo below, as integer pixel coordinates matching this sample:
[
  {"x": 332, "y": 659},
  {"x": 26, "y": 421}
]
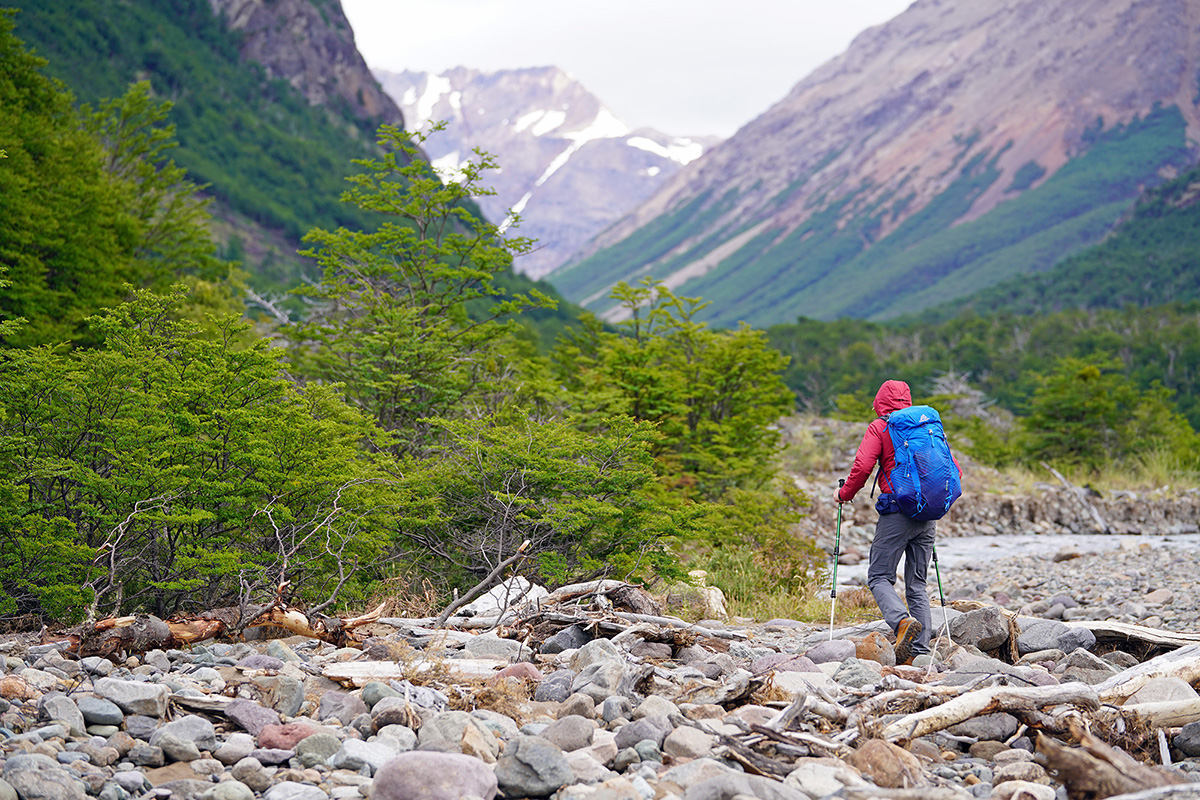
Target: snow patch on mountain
[
  {"x": 566, "y": 166},
  {"x": 681, "y": 151}
]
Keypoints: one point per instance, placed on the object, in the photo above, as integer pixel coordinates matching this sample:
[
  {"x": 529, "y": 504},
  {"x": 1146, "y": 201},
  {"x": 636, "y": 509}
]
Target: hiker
[{"x": 896, "y": 534}]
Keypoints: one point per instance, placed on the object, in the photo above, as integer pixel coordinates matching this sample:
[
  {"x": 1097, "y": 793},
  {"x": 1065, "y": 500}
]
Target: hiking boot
[{"x": 906, "y": 636}]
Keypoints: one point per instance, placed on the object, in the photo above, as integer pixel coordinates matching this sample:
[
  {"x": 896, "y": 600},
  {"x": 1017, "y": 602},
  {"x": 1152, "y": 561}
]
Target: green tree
[
  {"x": 167, "y": 469},
  {"x": 391, "y": 323},
  {"x": 588, "y": 502},
  {"x": 90, "y": 203},
  {"x": 714, "y": 395},
  {"x": 1089, "y": 414}
]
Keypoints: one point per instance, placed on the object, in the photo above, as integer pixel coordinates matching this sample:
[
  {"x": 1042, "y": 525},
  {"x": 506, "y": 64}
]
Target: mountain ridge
[
  {"x": 568, "y": 165},
  {"x": 945, "y": 95}
]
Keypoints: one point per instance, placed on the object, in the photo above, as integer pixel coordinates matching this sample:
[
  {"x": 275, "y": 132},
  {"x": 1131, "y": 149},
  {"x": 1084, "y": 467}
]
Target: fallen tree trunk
[
  {"x": 1113, "y": 631},
  {"x": 1096, "y": 770},
  {"x": 1182, "y": 663},
  {"x": 988, "y": 701},
  {"x": 1170, "y": 714},
  {"x": 138, "y": 634}
]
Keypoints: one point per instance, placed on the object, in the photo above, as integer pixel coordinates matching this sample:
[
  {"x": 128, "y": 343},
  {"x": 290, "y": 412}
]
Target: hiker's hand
[{"x": 837, "y": 494}]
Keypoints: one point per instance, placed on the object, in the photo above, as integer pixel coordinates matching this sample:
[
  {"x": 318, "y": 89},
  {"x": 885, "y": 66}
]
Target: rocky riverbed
[{"x": 578, "y": 717}]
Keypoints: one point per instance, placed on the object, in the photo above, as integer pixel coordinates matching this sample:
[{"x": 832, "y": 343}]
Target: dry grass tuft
[
  {"x": 406, "y": 596},
  {"x": 770, "y": 693},
  {"x": 508, "y": 696}
]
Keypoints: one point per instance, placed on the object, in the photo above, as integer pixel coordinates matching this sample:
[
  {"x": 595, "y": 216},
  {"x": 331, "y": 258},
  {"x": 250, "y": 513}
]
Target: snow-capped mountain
[{"x": 568, "y": 166}]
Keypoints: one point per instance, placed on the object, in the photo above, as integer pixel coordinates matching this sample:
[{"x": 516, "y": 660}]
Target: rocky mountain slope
[
  {"x": 957, "y": 145},
  {"x": 311, "y": 46},
  {"x": 271, "y": 102},
  {"x": 568, "y": 166}
]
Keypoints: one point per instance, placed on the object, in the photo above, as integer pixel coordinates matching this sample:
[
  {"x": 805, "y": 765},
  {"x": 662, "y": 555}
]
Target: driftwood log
[
  {"x": 1183, "y": 663},
  {"x": 1014, "y": 700},
  {"x": 137, "y": 634},
  {"x": 1097, "y": 770}
]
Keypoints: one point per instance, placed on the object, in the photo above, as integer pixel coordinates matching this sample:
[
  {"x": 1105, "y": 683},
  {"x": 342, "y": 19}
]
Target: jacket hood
[{"x": 892, "y": 396}]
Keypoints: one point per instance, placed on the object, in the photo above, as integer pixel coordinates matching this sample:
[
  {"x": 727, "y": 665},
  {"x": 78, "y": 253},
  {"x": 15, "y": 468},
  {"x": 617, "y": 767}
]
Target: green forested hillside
[
  {"x": 1004, "y": 355},
  {"x": 274, "y": 164},
  {"x": 1153, "y": 256},
  {"x": 836, "y": 263}
]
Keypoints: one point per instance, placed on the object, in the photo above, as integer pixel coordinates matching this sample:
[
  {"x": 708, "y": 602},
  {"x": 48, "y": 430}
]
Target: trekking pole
[
  {"x": 837, "y": 546},
  {"x": 942, "y": 595}
]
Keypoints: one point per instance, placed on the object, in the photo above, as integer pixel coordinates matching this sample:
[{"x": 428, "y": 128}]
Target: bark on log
[
  {"x": 1113, "y": 631},
  {"x": 1097, "y": 770},
  {"x": 674, "y": 622},
  {"x": 988, "y": 701},
  {"x": 1182, "y": 663},
  {"x": 1170, "y": 714},
  {"x": 142, "y": 633}
]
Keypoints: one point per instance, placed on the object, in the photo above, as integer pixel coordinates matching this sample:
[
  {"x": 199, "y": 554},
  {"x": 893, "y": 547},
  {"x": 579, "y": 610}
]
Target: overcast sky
[{"x": 685, "y": 67}]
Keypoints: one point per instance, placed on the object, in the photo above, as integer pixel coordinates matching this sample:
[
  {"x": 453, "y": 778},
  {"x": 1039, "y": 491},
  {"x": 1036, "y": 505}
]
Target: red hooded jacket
[{"x": 876, "y": 444}]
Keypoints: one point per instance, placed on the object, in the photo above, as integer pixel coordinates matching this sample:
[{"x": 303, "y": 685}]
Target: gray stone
[
  {"x": 579, "y": 705},
  {"x": 655, "y": 705},
  {"x": 317, "y": 749},
  {"x": 1040, "y": 656},
  {"x": 658, "y": 651},
  {"x": 1161, "y": 690},
  {"x": 1051, "y": 635},
  {"x": 94, "y": 665},
  {"x": 599, "y": 680},
  {"x": 434, "y": 776},
  {"x": 277, "y": 649},
  {"x": 291, "y": 790},
  {"x": 375, "y": 691},
  {"x": 236, "y": 747},
  {"x": 271, "y": 755},
  {"x": 655, "y": 728},
  {"x": 60, "y": 708},
  {"x": 616, "y": 707},
  {"x": 355, "y": 754},
  {"x": 985, "y": 628},
  {"x": 1121, "y": 659},
  {"x": 260, "y": 661},
  {"x": 283, "y": 693},
  {"x": 489, "y": 645},
  {"x": 727, "y": 787},
  {"x": 177, "y": 749},
  {"x": 855, "y": 673},
  {"x": 39, "y": 777},
  {"x": 98, "y": 711},
  {"x": 1084, "y": 660},
  {"x": 783, "y": 662},
  {"x": 392, "y": 711},
  {"x": 989, "y": 727},
  {"x": 131, "y": 781},
  {"x": 570, "y": 638},
  {"x": 229, "y": 790},
  {"x": 140, "y": 726},
  {"x": 532, "y": 767},
  {"x": 688, "y": 742},
  {"x": 341, "y": 706},
  {"x": 444, "y": 732},
  {"x": 190, "y": 728},
  {"x": 250, "y": 772},
  {"x": 401, "y": 738},
  {"x": 648, "y": 751},
  {"x": 555, "y": 688},
  {"x": 143, "y": 755},
  {"x": 1187, "y": 741},
  {"x": 830, "y": 651},
  {"x": 148, "y": 699},
  {"x": 594, "y": 652},
  {"x": 570, "y": 733}
]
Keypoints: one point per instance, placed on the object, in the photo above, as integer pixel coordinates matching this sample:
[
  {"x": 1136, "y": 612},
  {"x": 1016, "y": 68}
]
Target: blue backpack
[{"x": 925, "y": 480}]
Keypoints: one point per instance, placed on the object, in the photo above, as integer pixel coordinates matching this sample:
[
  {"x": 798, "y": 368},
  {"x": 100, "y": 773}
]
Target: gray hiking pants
[{"x": 896, "y": 535}]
